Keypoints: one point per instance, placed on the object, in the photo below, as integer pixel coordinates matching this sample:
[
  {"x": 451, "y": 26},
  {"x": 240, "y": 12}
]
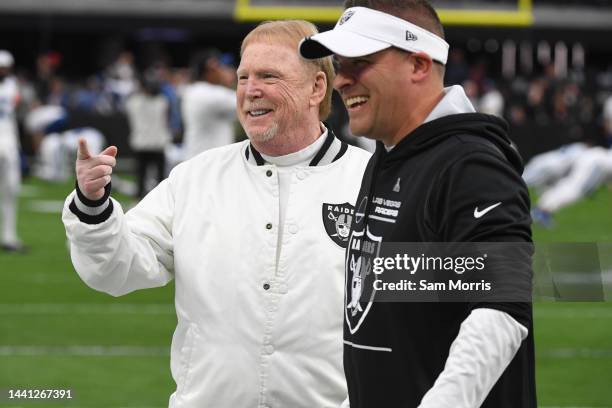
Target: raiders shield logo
[
  {"x": 337, "y": 220},
  {"x": 359, "y": 278}
]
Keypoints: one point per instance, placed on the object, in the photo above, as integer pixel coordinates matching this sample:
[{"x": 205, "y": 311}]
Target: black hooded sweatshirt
[{"x": 429, "y": 188}]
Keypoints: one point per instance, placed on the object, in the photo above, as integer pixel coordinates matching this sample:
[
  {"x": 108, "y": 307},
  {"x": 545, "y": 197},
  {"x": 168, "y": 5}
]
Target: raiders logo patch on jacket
[{"x": 337, "y": 220}]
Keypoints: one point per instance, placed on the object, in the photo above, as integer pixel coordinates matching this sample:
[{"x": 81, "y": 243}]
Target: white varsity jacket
[{"x": 249, "y": 334}]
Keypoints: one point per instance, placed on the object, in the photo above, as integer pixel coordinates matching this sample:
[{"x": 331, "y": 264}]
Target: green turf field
[{"x": 114, "y": 352}]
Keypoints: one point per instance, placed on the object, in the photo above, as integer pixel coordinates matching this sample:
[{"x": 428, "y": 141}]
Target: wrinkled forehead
[
  {"x": 277, "y": 53},
  {"x": 265, "y": 45}
]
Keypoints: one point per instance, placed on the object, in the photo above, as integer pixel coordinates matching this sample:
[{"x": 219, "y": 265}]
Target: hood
[{"x": 430, "y": 134}]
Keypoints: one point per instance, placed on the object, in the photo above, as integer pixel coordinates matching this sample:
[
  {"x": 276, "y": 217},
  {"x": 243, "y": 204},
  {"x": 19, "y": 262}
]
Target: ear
[
  {"x": 319, "y": 87},
  {"x": 422, "y": 66}
]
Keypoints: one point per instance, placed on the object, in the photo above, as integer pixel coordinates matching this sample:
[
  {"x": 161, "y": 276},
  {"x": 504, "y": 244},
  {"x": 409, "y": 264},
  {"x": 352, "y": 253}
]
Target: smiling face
[
  {"x": 276, "y": 99},
  {"x": 376, "y": 89}
]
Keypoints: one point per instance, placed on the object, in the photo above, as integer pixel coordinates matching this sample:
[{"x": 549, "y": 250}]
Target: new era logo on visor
[
  {"x": 410, "y": 36},
  {"x": 345, "y": 17}
]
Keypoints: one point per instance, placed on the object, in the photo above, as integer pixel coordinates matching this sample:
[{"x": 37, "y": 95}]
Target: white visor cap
[{"x": 363, "y": 31}]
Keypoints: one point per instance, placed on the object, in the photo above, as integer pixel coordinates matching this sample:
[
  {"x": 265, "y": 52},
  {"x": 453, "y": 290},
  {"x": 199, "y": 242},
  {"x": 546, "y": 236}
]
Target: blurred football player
[
  {"x": 209, "y": 105},
  {"x": 54, "y": 144},
  {"x": 547, "y": 168},
  {"x": 10, "y": 174},
  {"x": 589, "y": 171},
  {"x": 148, "y": 115},
  {"x": 570, "y": 173}
]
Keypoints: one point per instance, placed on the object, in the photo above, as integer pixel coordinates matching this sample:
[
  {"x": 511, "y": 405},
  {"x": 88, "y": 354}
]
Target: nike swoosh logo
[{"x": 478, "y": 214}]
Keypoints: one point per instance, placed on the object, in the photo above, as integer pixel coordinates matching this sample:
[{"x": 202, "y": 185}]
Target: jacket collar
[{"x": 331, "y": 150}]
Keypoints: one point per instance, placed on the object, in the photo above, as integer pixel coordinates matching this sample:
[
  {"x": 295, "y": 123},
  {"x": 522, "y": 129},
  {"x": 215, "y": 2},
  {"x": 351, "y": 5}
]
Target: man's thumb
[
  {"x": 110, "y": 151},
  {"x": 83, "y": 150}
]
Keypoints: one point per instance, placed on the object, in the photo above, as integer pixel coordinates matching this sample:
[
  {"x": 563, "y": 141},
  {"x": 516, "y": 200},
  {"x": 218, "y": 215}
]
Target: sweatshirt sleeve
[
  {"x": 488, "y": 340},
  {"x": 481, "y": 198},
  {"x": 120, "y": 253}
]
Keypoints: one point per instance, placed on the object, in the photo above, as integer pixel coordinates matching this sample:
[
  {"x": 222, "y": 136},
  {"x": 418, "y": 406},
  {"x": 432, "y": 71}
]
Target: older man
[
  {"x": 248, "y": 232},
  {"x": 441, "y": 173}
]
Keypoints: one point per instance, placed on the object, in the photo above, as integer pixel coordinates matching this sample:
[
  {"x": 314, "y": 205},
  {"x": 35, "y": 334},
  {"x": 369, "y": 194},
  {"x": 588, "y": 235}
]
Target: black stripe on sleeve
[
  {"x": 94, "y": 203},
  {"x": 91, "y": 219}
]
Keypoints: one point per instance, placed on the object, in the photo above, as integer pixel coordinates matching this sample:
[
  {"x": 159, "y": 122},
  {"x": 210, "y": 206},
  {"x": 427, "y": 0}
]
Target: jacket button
[
  {"x": 269, "y": 173},
  {"x": 266, "y": 286},
  {"x": 269, "y": 226}
]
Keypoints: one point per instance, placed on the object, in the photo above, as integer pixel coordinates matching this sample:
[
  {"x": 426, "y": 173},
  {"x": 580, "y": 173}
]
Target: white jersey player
[
  {"x": 593, "y": 168},
  {"x": 10, "y": 174},
  {"x": 208, "y": 107},
  {"x": 547, "y": 168},
  {"x": 607, "y": 120},
  {"x": 570, "y": 173},
  {"x": 56, "y": 150}
]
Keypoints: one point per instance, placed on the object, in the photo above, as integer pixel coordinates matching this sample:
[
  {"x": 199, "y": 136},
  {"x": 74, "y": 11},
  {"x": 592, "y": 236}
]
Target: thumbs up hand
[{"x": 94, "y": 172}]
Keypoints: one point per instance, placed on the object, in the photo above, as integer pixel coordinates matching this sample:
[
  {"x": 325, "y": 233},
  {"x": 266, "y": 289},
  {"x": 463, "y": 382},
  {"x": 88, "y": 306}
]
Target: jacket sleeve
[{"x": 123, "y": 252}]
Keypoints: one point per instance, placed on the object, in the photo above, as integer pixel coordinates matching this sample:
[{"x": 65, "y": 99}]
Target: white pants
[
  {"x": 10, "y": 181},
  {"x": 548, "y": 168},
  {"x": 592, "y": 168}
]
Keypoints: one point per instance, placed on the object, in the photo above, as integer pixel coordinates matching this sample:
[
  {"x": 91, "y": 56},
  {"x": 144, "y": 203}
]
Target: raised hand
[{"x": 94, "y": 172}]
